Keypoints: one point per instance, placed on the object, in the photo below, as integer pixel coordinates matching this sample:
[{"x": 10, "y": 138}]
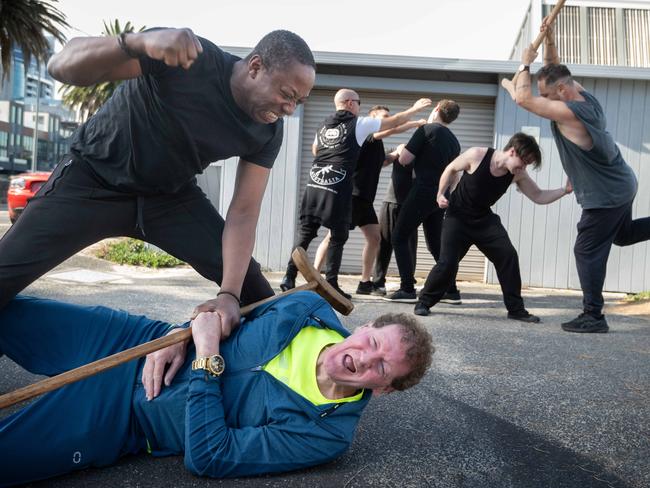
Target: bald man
[{"x": 327, "y": 198}]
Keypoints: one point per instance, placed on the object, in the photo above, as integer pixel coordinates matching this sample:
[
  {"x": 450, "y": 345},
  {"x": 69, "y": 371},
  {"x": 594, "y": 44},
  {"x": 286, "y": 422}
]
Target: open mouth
[
  {"x": 269, "y": 117},
  {"x": 349, "y": 363}
]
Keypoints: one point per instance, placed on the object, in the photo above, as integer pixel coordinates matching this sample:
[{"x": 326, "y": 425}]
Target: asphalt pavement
[{"x": 505, "y": 404}]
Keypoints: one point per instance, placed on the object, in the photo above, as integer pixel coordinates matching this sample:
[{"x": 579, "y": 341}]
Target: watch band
[{"x": 213, "y": 365}]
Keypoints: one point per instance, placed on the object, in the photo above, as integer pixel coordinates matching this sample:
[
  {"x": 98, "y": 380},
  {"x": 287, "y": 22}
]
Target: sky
[{"x": 469, "y": 29}]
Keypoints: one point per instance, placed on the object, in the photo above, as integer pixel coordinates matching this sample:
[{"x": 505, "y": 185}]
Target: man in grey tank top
[{"x": 603, "y": 183}]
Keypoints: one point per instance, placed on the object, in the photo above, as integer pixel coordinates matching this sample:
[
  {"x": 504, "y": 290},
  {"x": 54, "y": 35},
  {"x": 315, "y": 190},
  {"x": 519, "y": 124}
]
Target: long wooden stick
[
  {"x": 315, "y": 282},
  {"x": 510, "y": 85},
  {"x": 119, "y": 358}
]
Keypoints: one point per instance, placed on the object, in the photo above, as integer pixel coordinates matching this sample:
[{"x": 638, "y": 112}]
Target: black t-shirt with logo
[
  {"x": 434, "y": 147},
  {"x": 159, "y": 130},
  {"x": 366, "y": 174},
  {"x": 327, "y": 198}
]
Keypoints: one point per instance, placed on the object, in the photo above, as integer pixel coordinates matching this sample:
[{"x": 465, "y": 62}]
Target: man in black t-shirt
[
  {"x": 327, "y": 198},
  {"x": 372, "y": 158},
  {"x": 431, "y": 148},
  {"x": 183, "y": 104}
]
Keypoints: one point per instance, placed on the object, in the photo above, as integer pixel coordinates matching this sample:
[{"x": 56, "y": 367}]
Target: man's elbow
[{"x": 522, "y": 99}]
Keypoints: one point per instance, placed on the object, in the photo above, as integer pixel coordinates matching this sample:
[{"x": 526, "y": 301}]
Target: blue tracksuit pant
[{"x": 48, "y": 338}]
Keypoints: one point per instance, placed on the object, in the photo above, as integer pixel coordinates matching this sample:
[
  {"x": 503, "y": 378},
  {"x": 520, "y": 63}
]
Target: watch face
[{"x": 216, "y": 364}]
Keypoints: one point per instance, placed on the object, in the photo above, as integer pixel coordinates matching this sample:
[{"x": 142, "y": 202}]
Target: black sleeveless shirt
[
  {"x": 327, "y": 199},
  {"x": 478, "y": 191}
]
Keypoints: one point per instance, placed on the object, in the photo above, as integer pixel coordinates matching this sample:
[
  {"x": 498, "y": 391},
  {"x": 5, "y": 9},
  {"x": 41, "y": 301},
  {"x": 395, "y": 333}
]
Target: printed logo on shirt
[
  {"x": 76, "y": 457},
  {"x": 333, "y": 136},
  {"x": 327, "y": 175}
]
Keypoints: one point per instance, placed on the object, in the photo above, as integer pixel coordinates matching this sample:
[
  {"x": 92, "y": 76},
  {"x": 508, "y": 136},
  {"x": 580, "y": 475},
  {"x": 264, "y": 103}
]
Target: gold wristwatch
[{"x": 213, "y": 365}]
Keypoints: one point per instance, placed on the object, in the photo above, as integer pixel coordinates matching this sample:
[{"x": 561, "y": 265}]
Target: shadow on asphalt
[{"x": 449, "y": 444}]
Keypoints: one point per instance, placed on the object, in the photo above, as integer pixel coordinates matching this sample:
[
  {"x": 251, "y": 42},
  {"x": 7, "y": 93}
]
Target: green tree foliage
[
  {"x": 24, "y": 23},
  {"x": 88, "y": 99}
]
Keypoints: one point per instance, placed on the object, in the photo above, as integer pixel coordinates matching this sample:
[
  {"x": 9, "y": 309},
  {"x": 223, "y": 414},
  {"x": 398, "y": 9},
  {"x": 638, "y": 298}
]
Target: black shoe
[
  {"x": 401, "y": 296},
  {"x": 287, "y": 283},
  {"x": 524, "y": 316},
  {"x": 379, "y": 291},
  {"x": 335, "y": 285},
  {"x": 451, "y": 297},
  {"x": 364, "y": 288},
  {"x": 421, "y": 309},
  {"x": 586, "y": 324}
]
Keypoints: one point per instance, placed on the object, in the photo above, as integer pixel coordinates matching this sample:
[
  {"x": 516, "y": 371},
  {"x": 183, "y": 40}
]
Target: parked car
[{"x": 21, "y": 188}]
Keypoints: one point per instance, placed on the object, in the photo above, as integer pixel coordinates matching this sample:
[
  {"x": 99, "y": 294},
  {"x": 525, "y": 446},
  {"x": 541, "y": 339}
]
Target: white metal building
[{"x": 544, "y": 236}]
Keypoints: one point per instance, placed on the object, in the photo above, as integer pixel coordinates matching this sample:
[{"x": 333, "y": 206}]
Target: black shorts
[{"x": 363, "y": 213}]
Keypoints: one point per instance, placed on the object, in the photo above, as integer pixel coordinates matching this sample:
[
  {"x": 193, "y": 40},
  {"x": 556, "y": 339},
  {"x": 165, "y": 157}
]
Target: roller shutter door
[{"x": 474, "y": 127}]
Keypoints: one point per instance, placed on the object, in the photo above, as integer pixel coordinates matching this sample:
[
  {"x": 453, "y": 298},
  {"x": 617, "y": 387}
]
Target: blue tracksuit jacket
[{"x": 243, "y": 423}]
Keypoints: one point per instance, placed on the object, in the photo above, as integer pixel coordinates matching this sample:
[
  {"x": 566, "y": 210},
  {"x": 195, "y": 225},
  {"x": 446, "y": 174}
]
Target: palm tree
[
  {"x": 23, "y": 23},
  {"x": 88, "y": 99}
]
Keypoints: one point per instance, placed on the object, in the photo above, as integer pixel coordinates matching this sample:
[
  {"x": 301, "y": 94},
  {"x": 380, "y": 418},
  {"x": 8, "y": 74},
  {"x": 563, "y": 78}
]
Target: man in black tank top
[
  {"x": 487, "y": 175},
  {"x": 431, "y": 148},
  {"x": 327, "y": 198}
]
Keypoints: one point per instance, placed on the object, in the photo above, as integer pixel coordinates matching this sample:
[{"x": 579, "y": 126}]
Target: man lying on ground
[{"x": 284, "y": 391}]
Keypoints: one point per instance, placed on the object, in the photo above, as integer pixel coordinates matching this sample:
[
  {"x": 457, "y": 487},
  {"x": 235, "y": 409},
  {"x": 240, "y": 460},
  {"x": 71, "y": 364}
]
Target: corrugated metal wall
[
  {"x": 544, "y": 234},
  {"x": 474, "y": 127}
]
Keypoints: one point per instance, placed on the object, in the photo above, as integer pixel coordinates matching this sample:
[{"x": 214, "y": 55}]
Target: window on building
[
  {"x": 602, "y": 36},
  {"x": 567, "y": 33},
  {"x": 637, "y": 37}
]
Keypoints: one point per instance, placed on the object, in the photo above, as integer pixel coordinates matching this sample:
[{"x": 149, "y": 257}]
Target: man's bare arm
[
  {"x": 450, "y": 176},
  {"x": 85, "y": 61},
  {"x": 403, "y": 117},
  {"x": 549, "y": 109},
  {"x": 238, "y": 241},
  {"x": 550, "y": 49},
  {"x": 411, "y": 124},
  {"x": 543, "y": 197}
]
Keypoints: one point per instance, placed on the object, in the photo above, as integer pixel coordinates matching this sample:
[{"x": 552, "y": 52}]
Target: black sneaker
[
  {"x": 421, "y": 309},
  {"x": 335, "y": 285},
  {"x": 364, "y": 288},
  {"x": 401, "y": 296},
  {"x": 524, "y": 316},
  {"x": 287, "y": 283},
  {"x": 586, "y": 324},
  {"x": 451, "y": 297},
  {"x": 377, "y": 290}
]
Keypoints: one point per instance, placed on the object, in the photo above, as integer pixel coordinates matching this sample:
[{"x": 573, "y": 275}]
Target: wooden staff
[
  {"x": 315, "y": 282},
  {"x": 510, "y": 85}
]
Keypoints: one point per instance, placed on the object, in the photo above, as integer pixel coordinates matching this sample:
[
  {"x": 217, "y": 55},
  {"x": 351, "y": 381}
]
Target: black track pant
[
  {"x": 387, "y": 220},
  {"x": 419, "y": 208},
  {"x": 487, "y": 233},
  {"x": 307, "y": 231},
  {"x": 75, "y": 209},
  {"x": 598, "y": 229}
]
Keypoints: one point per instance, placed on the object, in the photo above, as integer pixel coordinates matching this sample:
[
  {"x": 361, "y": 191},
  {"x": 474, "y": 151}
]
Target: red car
[{"x": 21, "y": 188}]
